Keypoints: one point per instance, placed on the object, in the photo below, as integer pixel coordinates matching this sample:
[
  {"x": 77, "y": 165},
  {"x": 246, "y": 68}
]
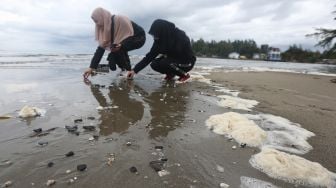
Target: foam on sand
[
  {"x": 238, "y": 127},
  {"x": 292, "y": 168},
  {"x": 228, "y": 91},
  {"x": 283, "y": 134},
  {"x": 247, "y": 182},
  {"x": 30, "y": 111},
  {"x": 236, "y": 102},
  {"x": 195, "y": 76}
]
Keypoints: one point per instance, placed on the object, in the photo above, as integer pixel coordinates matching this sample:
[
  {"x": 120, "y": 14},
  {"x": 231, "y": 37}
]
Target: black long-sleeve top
[{"x": 181, "y": 51}]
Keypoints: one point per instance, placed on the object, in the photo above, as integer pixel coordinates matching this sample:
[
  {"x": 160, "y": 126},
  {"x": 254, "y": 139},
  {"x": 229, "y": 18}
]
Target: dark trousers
[
  {"x": 171, "y": 66},
  {"x": 121, "y": 57}
]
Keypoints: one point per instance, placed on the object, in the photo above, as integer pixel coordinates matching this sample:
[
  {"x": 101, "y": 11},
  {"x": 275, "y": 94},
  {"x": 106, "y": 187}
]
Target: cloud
[{"x": 65, "y": 25}]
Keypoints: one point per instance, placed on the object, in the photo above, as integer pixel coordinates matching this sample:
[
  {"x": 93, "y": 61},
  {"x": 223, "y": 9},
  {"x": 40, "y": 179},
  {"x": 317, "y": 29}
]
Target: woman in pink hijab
[{"x": 118, "y": 34}]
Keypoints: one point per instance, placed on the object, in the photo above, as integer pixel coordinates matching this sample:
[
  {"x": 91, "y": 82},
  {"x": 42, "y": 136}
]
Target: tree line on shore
[{"x": 247, "y": 48}]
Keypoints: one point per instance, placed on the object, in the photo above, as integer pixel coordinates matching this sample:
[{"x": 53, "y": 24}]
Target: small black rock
[
  {"x": 71, "y": 128},
  {"x": 38, "y": 130},
  {"x": 78, "y": 120},
  {"x": 42, "y": 143},
  {"x": 81, "y": 167},
  {"x": 91, "y": 118},
  {"x": 95, "y": 136},
  {"x": 69, "y": 154},
  {"x": 242, "y": 145},
  {"x": 158, "y": 147},
  {"x": 133, "y": 169},
  {"x": 50, "y": 164},
  {"x": 156, "y": 165},
  {"x": 164, "y": 159},
  {"x": 89, "y": 127}
]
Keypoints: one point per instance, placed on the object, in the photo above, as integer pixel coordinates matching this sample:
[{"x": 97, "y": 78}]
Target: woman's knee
[
  {"x": 155, "y": 65},
  {"x": 159, "y": 65}
]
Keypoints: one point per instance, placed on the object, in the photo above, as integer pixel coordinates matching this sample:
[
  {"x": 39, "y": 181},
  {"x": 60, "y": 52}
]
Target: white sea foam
[
  {"x": 277, "y": 132},
  {"x": 236, "y": 102},
  {"x": 225, "y": 90},
  {"x": 228, "y": 91},
  {"x": 197, "y": 76},
  {"x": 292, "y": 168},
  {"x": 247, "y": 182},
  {"x": 30, "y": 111},
  {"x": 283, "y": 134},
  {"x": 238, "y": 127}
]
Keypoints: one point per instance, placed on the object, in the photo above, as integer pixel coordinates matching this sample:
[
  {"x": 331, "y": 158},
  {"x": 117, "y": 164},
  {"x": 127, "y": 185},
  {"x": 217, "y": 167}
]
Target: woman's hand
[
  {"x": 87, "y": 73},
  {"x": 116, "y": 47},
  {"x": 130, "y": 74}
]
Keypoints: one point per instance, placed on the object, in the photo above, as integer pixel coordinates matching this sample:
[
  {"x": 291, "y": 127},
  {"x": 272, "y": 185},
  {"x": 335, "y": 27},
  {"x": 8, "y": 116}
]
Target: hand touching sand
[
  {"x": 87, "y": 73},
  {"x": 130, "y": 74}
]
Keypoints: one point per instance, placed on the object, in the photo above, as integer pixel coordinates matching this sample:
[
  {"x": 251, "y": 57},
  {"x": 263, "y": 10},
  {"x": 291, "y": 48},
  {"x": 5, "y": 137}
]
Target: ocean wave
[{"x": 202, "y": 64}]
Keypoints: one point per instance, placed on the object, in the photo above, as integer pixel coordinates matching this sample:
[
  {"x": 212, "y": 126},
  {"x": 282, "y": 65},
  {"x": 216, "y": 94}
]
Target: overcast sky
[{"x": 65, "y": 26}]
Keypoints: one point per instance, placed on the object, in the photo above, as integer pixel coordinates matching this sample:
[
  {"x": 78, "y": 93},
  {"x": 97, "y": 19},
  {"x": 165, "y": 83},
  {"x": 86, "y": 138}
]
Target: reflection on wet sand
[
  {"x": 167, "y": 108},
  {"x": 124, "y": 110}
]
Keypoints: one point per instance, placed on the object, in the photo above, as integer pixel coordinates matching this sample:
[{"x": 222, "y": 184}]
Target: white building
[
  {"x": 274, "y": 54},
  {"x": 256, "y": 56},
  {"x": 234, "y": 55}
]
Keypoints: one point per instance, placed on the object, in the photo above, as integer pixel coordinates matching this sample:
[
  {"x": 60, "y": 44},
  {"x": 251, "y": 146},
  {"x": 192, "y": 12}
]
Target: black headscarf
[{"x": 164, "y": 33}]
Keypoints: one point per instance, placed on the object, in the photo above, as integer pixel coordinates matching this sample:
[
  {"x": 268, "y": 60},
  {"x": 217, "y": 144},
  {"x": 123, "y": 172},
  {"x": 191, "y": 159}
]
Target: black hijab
[{"x": 164, "y": 33}]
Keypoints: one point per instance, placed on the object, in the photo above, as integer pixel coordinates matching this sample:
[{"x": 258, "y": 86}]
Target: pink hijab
[{"x": 122, "y": 27}]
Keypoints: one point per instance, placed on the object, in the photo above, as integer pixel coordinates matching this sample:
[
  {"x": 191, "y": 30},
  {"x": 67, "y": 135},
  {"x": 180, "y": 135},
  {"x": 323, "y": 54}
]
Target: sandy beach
[
  {"x": 309, "y": 100},
  {"x": 134, "y": 123}
]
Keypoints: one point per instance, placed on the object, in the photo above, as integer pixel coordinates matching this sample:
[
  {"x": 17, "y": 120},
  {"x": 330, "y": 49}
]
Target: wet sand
[
  {"x": 140, "y": 115},
  {"x": 309, "y": 100}
]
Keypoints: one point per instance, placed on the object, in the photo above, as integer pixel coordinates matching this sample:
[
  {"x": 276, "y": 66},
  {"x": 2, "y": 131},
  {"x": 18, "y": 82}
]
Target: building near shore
[
  {"x": 234, "y": 55},
  {"x": 273, "y": 54},
  {"x": 256, "y": 56},
  {"x": 242, "y": 57}
]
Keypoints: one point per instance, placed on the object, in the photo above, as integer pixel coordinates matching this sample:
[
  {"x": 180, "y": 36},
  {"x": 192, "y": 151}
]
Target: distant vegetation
[
  {"x": 221, "y": 49},
  {"x": 295, "y": 53}
]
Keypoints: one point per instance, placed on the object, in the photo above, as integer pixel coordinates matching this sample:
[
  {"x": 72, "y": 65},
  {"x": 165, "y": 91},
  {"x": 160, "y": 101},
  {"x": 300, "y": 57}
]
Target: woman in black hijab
[{"x": 177, "y": 56}]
